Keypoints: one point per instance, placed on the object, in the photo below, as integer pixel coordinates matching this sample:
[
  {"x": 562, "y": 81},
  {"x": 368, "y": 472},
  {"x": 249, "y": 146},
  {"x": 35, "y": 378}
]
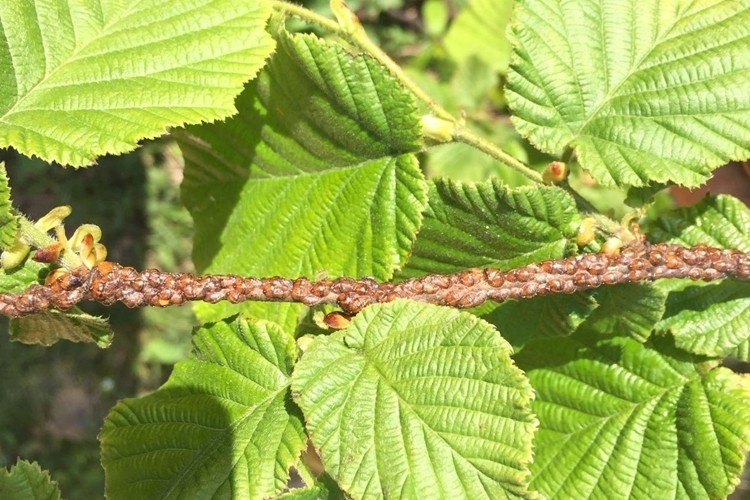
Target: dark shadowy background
[{"x": 53, "y": 399}]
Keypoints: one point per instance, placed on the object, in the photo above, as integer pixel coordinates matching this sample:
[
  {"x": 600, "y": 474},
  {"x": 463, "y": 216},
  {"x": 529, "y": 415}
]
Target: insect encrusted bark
[{"x": 109, "y": 282}]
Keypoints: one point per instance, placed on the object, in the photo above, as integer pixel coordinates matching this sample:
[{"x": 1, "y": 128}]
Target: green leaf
[
  {"x": 711, "y": 318},
  {"x": 621, "y": 419},
  {"x": 479, "y": 30},
  {"x": 20, "y": 278},
  {"x": 87, "y": 78},
  {"x": 8, "y": 218},
  {"x": 488, "y": 224},
  {"x": 27, "y": 481},
  {"x": 645, "y": 92},
  {"x": 221, "y": 426},
  {"x": 629, "y": 308},
  {"x": 545, "y": 316},
  {"x": 414, "y": 400},
  {"x": 48, "y": 327},
  {"x": 717, "y": 221},
  {"x": 314, "y": 176}
]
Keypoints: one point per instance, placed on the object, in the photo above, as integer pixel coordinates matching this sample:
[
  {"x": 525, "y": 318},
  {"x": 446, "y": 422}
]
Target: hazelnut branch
[{"x": 109, "y": 282}]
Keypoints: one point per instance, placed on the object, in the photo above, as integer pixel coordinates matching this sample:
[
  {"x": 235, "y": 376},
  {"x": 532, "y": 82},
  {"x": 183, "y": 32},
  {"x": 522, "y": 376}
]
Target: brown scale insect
[{"x": 109, "y": 282}]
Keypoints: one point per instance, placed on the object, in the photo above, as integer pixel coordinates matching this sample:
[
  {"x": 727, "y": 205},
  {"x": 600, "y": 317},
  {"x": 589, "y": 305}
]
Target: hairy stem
[
  {"x": 463, "y": 134},
  {"x": 109, "y": 282}
]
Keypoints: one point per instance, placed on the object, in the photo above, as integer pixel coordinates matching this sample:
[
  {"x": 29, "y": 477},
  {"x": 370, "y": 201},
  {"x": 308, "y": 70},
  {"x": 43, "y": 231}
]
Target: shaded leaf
[
  {"x": 546, "y": 316},
  {"x": 415, "y": 400},
  {"x": 27, "y": 481},
  {"x": 629, "y": 308},
  {"x": 488, "y": 224},
  {"x": 621, "y": 419},
  {"x": 645, "y": 92},
  {"x": 221, "y": 426},
  {"x": 313, "y": 176},
  {"x": 88, "y": 78},
  {"x": 713, "y": 319},
  {"x": 49, "y": 327}
]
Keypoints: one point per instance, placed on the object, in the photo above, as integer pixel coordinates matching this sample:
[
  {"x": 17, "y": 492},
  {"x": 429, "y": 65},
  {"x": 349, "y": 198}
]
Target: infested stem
[{"x": 109, "y": 282}]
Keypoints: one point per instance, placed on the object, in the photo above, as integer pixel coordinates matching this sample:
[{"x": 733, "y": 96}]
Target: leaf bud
[
  {"x": 436, "y": 129},
  {"x": 337, "y": 320},
  {"x": 15, "y": 255},
  {"x": 555, "y": 173},
  {"x": 586, "y": 231},
  {"x": 611, "y": 247}
]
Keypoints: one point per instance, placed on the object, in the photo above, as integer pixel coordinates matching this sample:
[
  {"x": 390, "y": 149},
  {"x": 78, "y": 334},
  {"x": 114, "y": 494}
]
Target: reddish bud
[
  {"x": 49, "y": 254},
  {"x": 337, "y": 320},
  {"x": 555, "y": 172}
]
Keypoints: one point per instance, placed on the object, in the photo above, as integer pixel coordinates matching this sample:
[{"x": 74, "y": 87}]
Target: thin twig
[{"x": 109, "y": 282}]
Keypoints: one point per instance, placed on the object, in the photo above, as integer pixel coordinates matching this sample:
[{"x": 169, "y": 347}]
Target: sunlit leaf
[
  {"x": 81, "y": 79},
  {"x": 644, "y": 91},
  {"x": 708, "y": 318},
  {"x": 621, "y": 419},
  {"x": 418, "y": 401}
]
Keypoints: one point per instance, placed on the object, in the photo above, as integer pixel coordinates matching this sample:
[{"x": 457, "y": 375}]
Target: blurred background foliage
[{"x": 54, "y": 399}]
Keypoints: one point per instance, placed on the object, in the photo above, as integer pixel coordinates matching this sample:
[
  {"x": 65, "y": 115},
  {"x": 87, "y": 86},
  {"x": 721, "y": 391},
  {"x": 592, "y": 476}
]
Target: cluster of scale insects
[{"x": 108, "y": 282}]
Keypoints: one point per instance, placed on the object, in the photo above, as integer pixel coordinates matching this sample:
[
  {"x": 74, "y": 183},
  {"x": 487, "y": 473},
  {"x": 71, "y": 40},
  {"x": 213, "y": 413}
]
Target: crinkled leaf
[
  {"x": 27, "y": 481},
  {"x": 489, "y": 224},
  {"x": 418, "y": 401},
  {"x": 20, "y": 278},
  {"x": 86, "y": 78},
  {"x": 545, "y": 316},
  {"x": 48, "y": 327},
  {"x": 629, "y": 308},
  {"x": 621, "y": 419},
  {"x": 713, "y": 318},
  {"x": 314, "y": 176},
  {"x": 718, "y": 221},
  {"x": 8, "y": 218},
  {"x": 644, "y": 91},
  {"x": 221, "y": 426},
  {"x": 479, "y": 30}
]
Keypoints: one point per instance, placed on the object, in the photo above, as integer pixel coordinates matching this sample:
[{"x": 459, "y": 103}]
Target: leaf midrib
[
  {"x": 220, "y": 439},
  {"x": 404, "y": 404},
  {"x": 633, "y": 70}
]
